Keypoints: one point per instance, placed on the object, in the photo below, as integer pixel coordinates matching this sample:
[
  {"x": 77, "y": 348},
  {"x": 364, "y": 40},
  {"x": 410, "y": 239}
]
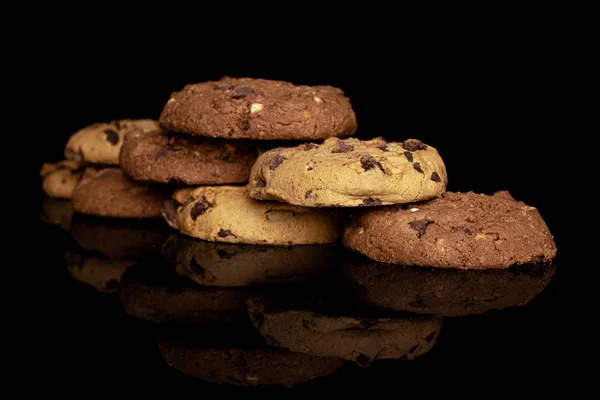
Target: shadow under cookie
[
  {"x": 154, "y": 292},
  {"x": 446, "y": 292},
  {"x": 224, "y": 264}
]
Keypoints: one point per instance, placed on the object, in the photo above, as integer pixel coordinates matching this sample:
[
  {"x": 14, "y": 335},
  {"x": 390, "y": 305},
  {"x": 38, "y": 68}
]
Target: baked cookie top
[
  {"x": 460, "y": 230},
  {"x": 60, "y": 178},
  {"x": 162, "y": 157},
  {"x": 226, "y": 214},
  {"x": 349, "y": 173},
  {"x": 259, "y": 109},
  {"x": 101, "y": 143}
]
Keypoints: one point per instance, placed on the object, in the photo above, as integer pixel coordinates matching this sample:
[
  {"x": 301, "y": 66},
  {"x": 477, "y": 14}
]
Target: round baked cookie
[
  {"x": 349, "y": 173},
  {"x": 460, "y": 230},
  {"x": 59, "y": 179},
  {"x": 162, "y": 157},
  {"x": 225, "y": 264},
  {"x": 226, "y": 214},
  {"x": 447, "y": 292},
  {"x": 119, "y": 238},
  {"x": 100, "y": 143},
  {"x": 245, "y": 366},
  {"x": 356, "y": 339},
  {"x": 155, "y": 293},
  {"x": 259, "y": 109},
  {"x": 111, "y": 194},
  {"x": 102, "y": 273}
]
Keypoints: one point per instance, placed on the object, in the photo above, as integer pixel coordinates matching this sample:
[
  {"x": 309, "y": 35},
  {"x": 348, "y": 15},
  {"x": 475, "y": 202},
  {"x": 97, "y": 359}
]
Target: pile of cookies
[{"x": 213, "y": 167}]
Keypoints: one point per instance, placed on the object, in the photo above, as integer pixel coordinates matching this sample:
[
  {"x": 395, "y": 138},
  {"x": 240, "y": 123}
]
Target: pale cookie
[
  {"x": 112, "y": 194},
  {"x": 59, "y": 179},
  {"x": 225, "y": 264},
  {"x": 101, "y": 143},
  {"x": 447, "y": 292},
  {"x": 259, "y": 109},
  {"x": 226, "y": 214},
  {"x": 349, "y": 173},
  {"x": 357, "y": 339},
  {"x": 460, "y": 230},
  {"x": 103, "y": 274}
]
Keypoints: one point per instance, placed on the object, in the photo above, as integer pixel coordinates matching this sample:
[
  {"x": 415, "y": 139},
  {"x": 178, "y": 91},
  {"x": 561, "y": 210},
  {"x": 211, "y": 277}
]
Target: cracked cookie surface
[
  {"x": 226, "y": 214},
  {"x": 460, "y": 230},
  {"x": 111, "y": 194},
  {"x": 259, "y": 109},
  {"x": 349, "y": 173},
  {"x": 162, "y": 157},
  {"x": 101, "y": 143}
]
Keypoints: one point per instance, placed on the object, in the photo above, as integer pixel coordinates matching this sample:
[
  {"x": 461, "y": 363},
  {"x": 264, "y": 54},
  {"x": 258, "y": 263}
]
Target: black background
[{"x": 488, "y": 107}]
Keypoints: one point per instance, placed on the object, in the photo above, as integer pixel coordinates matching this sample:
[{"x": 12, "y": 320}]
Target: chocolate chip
[
  {"x": 276, "y": 161},
  {"x": 369, "y": 162},
  {"x": 244, "y": 124},
  {"x": 308, "y": 194},
  {"x": 271, "y": 340},
  {"x": 223, "y": 254},
  {"x": 414, "y": 145},
  {"x": 306, "y": 324},
  {"x": 242, "y": 92},
  {"x": 170, "y": 210},
  {"x": 418, "y": 167},
  {"x": 343, "y": 148},
  {"x": 430, "y": 337},
  {"x": 367, "y": 323},
  {"x": 111, "y": 284},
  {"x": 260, "y": 182},
  {"x": 74, "y": 155},
  {"x": 199, "y": 209},
  {"x": 363, "y": 359},
  {"x": 409, "y": 156},
  {"x": 468, "y": 231},
  {"x": 417, "y": 302},
  {"x": 112, "y": 137},
  {"x": 403, "y": 357},
  {"x": 419, "y": 226},
  {"x": 197, "y": 268},
  {"x": 258, "y": 319},
  {"x": 162, "y": 152},
  {"x": 224, "y": 233},
  {"x": 435, "y": 177},
  {"x": 371, "y": 201},
  {"x": 226, "y": 87},
  {"x": 308, "y": 146},
  {"x": 384, "y": 147},
  {"x": 413, "y": 349}
]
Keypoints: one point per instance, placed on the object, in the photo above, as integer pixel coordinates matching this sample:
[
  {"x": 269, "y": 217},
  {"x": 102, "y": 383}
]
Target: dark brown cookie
[
  {"x": 243, "y": 366},
  {"x": 111, "y": 194},
  {"x": 360, "y": 340},
  {"x": 161, "y": 157},
  {"x": 447, "y": 292},
  {"x": 224, "y": 264},
  {"x": 119, "y": 238},
  {"x": 157, "y": 294},
  {"x": 460, "y": 230},
  {"x": 259, "y": 109}
]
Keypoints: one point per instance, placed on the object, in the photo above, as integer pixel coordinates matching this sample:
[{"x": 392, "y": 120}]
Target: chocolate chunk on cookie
[
  {"x": 259, "y": 109},
  {"x": 349, "y": 173},
  {"x": 460, "y": 230}
]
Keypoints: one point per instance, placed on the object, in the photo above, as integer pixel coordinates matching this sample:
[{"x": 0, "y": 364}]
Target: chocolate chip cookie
[
  {"x": 225, "y": 264},
  {"x": 349, "y": 173},
  {"x": 111, "y": 194},
  {"x": 100, "y": 143},
  {"x": 161, "y": 157},
  {"x": 460, "y": 230},
  {"x": 226, "y": 214},
  {"x": 59, "y": 179},
  {"x": 447, "y": 292},
  {"x": 102, "y": 273},
  {"x": 357, "y": 339},
  {"x": 259, "y": 109}
]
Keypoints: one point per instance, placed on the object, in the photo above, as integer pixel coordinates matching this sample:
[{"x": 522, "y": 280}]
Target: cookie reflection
[
  {"x": 99, "y": 272},
  {"x": 57, "y": 212},
  {"x": 246, "y": 364},
  {"x": 154, "y": 292},
  {"x": 446, "y": 292},
  {"x": 224, "y": 264}
]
